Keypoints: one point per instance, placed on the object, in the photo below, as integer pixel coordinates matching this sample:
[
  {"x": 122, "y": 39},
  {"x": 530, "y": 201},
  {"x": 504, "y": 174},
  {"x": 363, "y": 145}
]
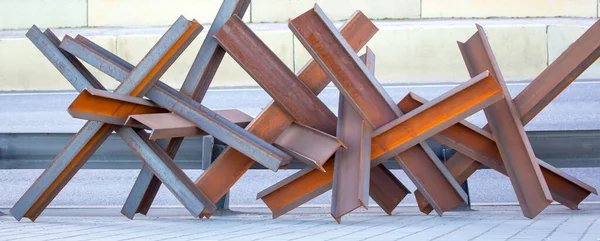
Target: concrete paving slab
[{"x": 255, "y": 223}]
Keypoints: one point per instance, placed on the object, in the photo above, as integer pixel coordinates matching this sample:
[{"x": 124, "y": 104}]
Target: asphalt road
[{"x": 578, "y": 108}]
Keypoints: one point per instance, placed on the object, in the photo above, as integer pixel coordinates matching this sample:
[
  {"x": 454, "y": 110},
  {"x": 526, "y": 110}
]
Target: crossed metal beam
[
  {"x": 370, "y": 128},
  {"x": 478, "y": 144},
  {"x": 390, "y": 139},
  {"x": 94, "y": 132}
]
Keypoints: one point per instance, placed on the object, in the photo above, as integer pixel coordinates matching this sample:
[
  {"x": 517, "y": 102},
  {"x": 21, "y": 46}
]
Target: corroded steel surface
[{"x": 344, "y": 153}]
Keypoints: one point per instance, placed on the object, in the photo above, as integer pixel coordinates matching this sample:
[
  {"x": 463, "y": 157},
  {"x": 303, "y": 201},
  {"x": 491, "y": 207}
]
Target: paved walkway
[{"x": 486, "y": 223}]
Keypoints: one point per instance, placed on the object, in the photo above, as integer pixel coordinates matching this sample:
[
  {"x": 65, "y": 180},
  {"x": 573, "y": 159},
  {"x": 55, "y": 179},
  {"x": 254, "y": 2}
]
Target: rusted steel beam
[
  {"x": 308, "y": 145},
  {"x": 303, "y": 186},
  {"x": 104, "y": 60},
  {"x": 274, "y": 76},
  {"x": 172, "y": 100},
  {"x": 163, "y": 166},
  {"x": 385, "y": 189},
  {"x": 351, "y": 177},
  {"x": 559, "y": 74},
  {"x": 435, "y": 116},
  {"x": 272, "y": 121},
  {"x": 195, "y": 85},
  {"x": 474, "y": 143},
  {"x": 89, "y": 138},
  {"x": 564, "y": 188},
  {"x": 169, "y": 125},
  {"x": 210, "y": 55},
  {"x": 360, "y": 87},
  {"x": 505, "y": 124},
  {"x": 69, "y": 66},
  {"x": 108, "y": 107}
]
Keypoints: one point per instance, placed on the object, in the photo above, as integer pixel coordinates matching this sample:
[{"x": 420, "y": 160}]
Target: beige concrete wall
[
  {"x": 134, "y": 48},
  {"x": 21, "y": 14},
  {"x": 24, "y": 67},
  {"x": 282, "y": 10},
  {"x": 150, "y": 13},
  {"x": 405, "y": 54},
  {"x": 431, "y": 55},
  {"x": 508, "y": 8},
  {"x": 560, "y": 37}
]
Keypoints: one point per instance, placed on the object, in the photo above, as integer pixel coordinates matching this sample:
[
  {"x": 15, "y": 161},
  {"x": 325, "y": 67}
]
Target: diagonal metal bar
[
  {"x": 435, "y": 116},
  {"x": 350, "y": 188},
  {"x": 92, "y": 56},
  {"x": 479, "y": 145},
  {"x": 508, "y": 132},
  {"x": 85, "y": 142},
  {"x": 274, "y": 120},
  {"x": 172, "y": 100},
  {"x": 157, "y": 160},
  {"x": 274, "y": 76},
  {"x": 360, "y": 87},
  {"x": 536, "y": 96},
  {"x": 277, "y": 79},
  {"x": 65, "y": 63},
  {"x": 210, "y": 55},
  {"x": 195, "y": 85}
]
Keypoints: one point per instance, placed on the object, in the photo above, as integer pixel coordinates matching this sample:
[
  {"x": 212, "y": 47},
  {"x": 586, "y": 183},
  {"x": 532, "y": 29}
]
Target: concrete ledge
[
  {"x": 19, "y": 14},
  {"x": 150, "y": 13},
  {"x": 409, "y": 51},
  {"x": 426, "y": 51},
  {"x": 508, "y": 8},
  {"x": 24, "y": 67},
  {"x": 134, "y": 48},
  {"x": 263, "y": 10},
  {"x": 560, "y": 37}
]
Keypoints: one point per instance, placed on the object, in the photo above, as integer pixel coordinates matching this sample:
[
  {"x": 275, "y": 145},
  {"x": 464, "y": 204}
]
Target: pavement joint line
[
  {"x": 249, "y": 223},
  {"x": 341, "y": 226},
  {"x": 556, "y": 228},
  {"x": 425, "y": 229},
  {"x": 399, "y": 220},
  {"x": 119, "y": 225},
  {"x": 267, "y": 229},
  {"x": 279, "y": 234},
  {"x": 403, "y": 226},
  {"x": 145, "y": 227},
  {"x": 588, "y": 228},
  {"x": 72, "y": 225},
  {"x": 459, "y": 227},
  {"x": 493, "y": 227},
  {"x": 185, "y": 226},
  {"x": 262, "y": 230},
  {"x": 526, "y": 226}
]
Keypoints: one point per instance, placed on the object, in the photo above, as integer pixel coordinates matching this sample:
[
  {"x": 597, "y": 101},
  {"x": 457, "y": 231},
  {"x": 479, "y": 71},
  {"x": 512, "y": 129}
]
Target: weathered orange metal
[
  {"x": 170, "y": 125},
  {"x": 564, "y": 188},
  {"x": 273, "y": 121},
  {"x": 92, "y": 134},
  {"x": 351, "y": 173},
  {"x": 362, "y": 90},
  {"x": 508, "y": 132},
  {"x": 431, "y": 118},
  {"x": 274, "y": 76},
  {"x": 479, "y": 145},
  {"x": 302, "y": 127},
  {"x": 308, "y": 145},
  {"x": 108, "y": 107}
]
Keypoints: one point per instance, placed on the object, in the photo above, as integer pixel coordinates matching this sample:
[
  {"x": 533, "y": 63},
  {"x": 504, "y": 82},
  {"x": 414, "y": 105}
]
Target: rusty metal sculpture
[{"x": 344, "y": 153}]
